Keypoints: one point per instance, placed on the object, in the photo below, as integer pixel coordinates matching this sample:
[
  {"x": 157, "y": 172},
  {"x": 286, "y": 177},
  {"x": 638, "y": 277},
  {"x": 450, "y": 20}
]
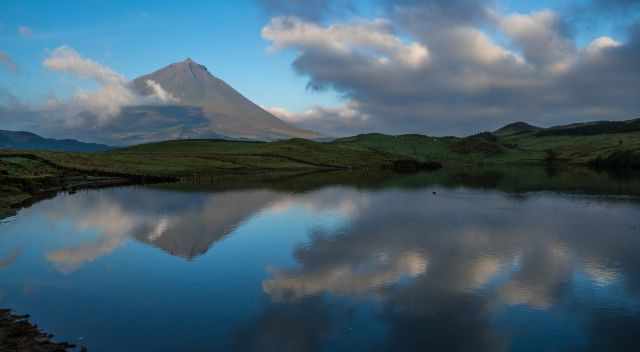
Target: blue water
[{"x": 331, "y": 269}]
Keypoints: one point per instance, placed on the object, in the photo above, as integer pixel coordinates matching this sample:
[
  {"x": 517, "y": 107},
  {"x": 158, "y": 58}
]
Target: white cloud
[
  {"x": 160, "y": 93},
  {"x": 68, "y": 60},
  {"x": 114, "y": 91},
  {"x": 347, "y": 279},
  {"x": 478, "y": 47},
  {"x": 600, "y": 44},
  {"x": 372, "y": 39},
  {"x": 330, "y": 121},
  {"x": 346, "y": 112}
]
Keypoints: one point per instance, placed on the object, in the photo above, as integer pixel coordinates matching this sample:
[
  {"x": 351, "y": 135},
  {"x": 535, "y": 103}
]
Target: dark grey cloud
[
  {"x": 140, "y": 124},
  {"x": 132, "y": 125},
  {"x": 15, "y": 115},
  {"x": 469, "y": 81},
  {"x": 432, "y": 14}
]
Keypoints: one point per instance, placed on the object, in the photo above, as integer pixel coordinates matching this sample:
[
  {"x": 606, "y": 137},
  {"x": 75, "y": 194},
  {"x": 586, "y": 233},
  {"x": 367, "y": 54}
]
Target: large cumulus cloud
[{"x": 459, "y": 67}]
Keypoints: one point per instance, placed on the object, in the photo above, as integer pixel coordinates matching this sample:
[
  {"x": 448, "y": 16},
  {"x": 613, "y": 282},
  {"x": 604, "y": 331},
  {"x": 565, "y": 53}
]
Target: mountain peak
[
  {"x": 189, "y": 61},
  {"x": 228, "y": 111},
  {"x": 189, "y": 64}
]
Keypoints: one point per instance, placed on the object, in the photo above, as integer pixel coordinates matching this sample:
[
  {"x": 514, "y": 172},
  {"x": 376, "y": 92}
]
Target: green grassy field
[
  {"x": 23, "y": 173},
  {"x": 371, "y": 151},
  {"x": 523, "y": 148}
]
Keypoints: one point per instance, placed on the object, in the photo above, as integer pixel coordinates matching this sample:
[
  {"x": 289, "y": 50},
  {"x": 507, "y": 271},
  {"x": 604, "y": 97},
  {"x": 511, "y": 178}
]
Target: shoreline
[
  {"x": 17, "y": 333},
  {"x": 11, "y": 204}
]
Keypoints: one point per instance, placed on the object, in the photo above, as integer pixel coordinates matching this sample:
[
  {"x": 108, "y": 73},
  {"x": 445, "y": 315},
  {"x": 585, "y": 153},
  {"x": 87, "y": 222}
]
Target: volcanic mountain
[{"x": 227, "y": 112}]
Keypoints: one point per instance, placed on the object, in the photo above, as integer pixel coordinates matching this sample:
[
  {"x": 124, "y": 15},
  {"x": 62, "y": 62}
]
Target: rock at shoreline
[{"x": 17, "y": 334}]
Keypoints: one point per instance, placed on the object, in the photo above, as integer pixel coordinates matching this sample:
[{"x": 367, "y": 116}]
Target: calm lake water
[{"x": 400, "y": 266}]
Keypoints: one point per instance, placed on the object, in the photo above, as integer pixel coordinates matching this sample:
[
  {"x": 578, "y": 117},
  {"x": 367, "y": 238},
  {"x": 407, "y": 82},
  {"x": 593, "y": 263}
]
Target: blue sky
[{"x": 137, "y": 37}]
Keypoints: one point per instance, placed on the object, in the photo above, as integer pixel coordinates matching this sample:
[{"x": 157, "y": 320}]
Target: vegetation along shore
[{"x": 29, "y": 175}]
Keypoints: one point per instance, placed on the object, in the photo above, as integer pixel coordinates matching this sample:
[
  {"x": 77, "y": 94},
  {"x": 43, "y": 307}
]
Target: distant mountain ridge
[
  {"x": 574, "y": 129},
  {"x": 21, "y": 140},
  {"x": 226, "y": 111},
  {"x": 516, "y": 127},
  {"x": 593, "y": 128}
]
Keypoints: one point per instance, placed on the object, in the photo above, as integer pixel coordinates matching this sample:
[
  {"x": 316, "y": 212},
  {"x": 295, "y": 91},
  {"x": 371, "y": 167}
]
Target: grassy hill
[
  {"x": 518, "y": 143},
  {"x": 514, "y": 144},
  {"x": 610, "y": 145}
]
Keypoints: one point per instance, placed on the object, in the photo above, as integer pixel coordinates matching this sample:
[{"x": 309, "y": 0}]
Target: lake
[{"x": 491, "y": 262}]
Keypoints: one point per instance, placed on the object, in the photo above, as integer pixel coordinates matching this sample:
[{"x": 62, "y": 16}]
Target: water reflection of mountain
[
  {"x": 191, "y": 233},
  {"x": 182, "y": 224},
  {"x": 186, "y": 220},
  {"x": 411, "y": 262}
]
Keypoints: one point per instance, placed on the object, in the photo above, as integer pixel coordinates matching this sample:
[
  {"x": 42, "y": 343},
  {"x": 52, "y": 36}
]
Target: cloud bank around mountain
[{"x": 112, "y": 112}]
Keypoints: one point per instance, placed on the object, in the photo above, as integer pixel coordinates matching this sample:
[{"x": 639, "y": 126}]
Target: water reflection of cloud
[
  {"x": 69, "y": 260},
  {"x": 467, "y": 245},
  {"x": 542, "y": 276},
  {"x": 437, "y": 265},
  {"x": 601, "y": 275},
  {"x": 357, "y": 279},
  {"x": 99, "y": 213},
  {"x": 338, "y": 200},
  {"x": 477, "y": 254}
]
